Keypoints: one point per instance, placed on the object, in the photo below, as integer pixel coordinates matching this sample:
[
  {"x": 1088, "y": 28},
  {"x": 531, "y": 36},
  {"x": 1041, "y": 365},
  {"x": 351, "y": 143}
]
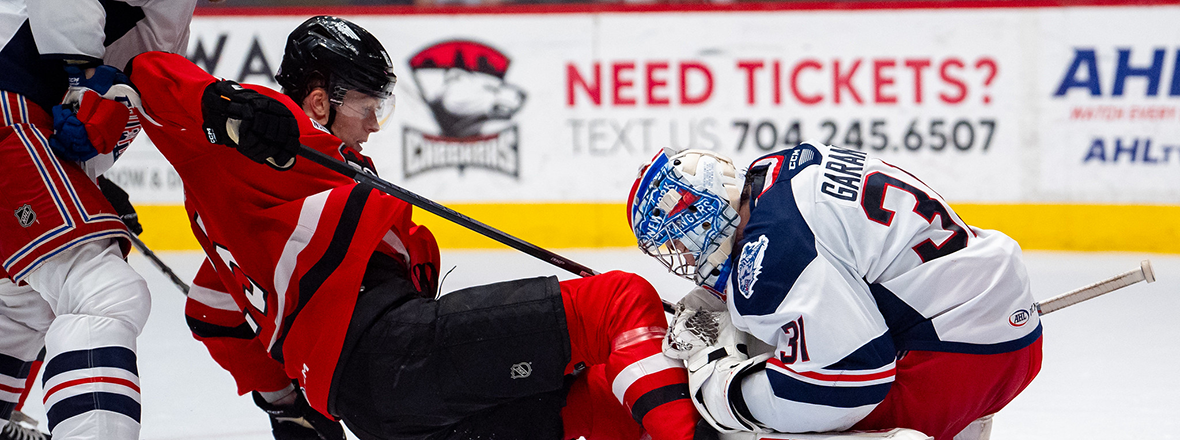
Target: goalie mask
[{"x": 683, "y": 211}]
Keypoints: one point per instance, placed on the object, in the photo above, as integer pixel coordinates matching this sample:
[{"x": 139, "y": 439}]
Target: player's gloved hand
[
  {"x": 258, "y": 126},
  {"x": 700, "y": 319},
  {"x": 122, "y": 204},
  {"x": 714, "y": 379},
  {"x": 96, "y": 116},
  {"x": 298, "y": 421}
]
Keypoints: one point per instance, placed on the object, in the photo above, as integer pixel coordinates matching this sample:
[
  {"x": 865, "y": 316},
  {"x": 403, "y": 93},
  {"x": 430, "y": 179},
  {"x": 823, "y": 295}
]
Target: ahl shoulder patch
[{"x": 749, "y": 265}]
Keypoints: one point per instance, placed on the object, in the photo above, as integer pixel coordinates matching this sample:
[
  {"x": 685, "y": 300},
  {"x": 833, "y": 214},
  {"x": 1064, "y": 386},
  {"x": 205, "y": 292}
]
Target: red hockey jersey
[{"x": 289, "y": 247}]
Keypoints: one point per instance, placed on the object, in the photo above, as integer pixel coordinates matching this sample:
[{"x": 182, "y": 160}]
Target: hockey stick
[
  {"x": 450, "y": 214},
  {"x": 159, "y": 263},
  {"x": 1143, "y": 273}
]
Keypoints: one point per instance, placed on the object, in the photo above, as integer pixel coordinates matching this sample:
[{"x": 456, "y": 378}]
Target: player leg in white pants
[
  {"x": 24, "y": 318},
  {"x": 90, "y": 378}
]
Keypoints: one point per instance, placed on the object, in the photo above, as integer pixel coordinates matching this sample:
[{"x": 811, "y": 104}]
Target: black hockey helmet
[{"x": 336, "y": 54}]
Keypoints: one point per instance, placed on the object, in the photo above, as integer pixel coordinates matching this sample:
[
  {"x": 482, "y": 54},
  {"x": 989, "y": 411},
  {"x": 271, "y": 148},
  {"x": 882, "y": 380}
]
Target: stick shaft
[
  {"x": 135, "y": 241},
  {"x": 1143, "y": 273},
  {"x": 444, "y": 212},
  {"x": 450, "y": 214}
]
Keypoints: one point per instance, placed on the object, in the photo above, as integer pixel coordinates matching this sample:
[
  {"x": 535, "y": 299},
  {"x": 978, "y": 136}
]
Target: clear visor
[{"x": 364, "y": 106}]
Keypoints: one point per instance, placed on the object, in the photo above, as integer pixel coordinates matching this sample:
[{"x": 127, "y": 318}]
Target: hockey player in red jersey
[
  {"x": 315, "y": 278},
  {"x": 879, "y": 306},
  {"x": 64, "y": 285}
]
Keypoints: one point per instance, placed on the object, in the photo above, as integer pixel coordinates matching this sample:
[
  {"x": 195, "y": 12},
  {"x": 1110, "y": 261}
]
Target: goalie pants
[
  {"x": 941, "y": 393},
  {"x": 493, "y": 361}
]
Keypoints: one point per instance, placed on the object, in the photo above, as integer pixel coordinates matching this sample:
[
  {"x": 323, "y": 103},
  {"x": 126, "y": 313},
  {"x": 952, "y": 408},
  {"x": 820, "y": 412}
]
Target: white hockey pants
[{"x": 86, "y": 306}]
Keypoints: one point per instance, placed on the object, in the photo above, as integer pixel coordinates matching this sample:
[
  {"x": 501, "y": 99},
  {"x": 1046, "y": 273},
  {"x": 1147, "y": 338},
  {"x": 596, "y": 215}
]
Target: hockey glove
[
  {"x": 122, "y": 204},
  {"x": 298, "y": 421},
  {"x": 701, "y": 320},
  {"x": 96, "y": 116},
  {"x": 258, "y": 126}
]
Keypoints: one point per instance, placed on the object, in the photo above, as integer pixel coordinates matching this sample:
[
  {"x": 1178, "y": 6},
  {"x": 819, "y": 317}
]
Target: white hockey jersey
[
  {"x": 846, "y": 263},
  {"x": 35, "y": 35}
]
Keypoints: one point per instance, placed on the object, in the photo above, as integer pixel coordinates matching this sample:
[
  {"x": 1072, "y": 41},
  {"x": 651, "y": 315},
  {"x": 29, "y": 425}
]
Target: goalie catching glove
[
  {"x": 698, "y": 323},
  {"x": 258, "y": 126},
  {"x": 297, "y": 420}
]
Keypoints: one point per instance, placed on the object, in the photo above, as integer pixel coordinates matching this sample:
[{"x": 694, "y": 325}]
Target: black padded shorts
[{"x": 469, "y": 365}]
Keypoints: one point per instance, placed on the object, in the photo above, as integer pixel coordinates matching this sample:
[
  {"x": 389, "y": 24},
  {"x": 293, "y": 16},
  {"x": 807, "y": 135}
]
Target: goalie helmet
[
  {"x": 338, "y": 55},
  {"x": 683, "y": 212}
]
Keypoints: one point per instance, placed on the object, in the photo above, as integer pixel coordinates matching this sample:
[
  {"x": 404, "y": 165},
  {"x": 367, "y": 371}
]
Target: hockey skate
[{"x": 21, "y": 427}]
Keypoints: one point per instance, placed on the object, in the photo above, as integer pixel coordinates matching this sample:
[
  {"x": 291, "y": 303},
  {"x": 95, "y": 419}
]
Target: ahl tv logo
[{"x": 463, "y": 84}]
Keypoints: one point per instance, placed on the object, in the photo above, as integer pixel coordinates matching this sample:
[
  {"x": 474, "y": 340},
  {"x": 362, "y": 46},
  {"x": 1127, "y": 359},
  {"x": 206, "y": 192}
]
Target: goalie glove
[
  {"x": 298, "y": 420},
  {"x": 714, "y": 382},
  {"x": 258, "y": 126},
  {"x": 701, "y": 321},
  {"x": 98, "y": 116}
]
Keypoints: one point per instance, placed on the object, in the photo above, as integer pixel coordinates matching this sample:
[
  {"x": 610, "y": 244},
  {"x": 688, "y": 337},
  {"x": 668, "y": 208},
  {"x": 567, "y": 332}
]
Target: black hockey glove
[
  {"x": 122, "y": 204},
  {"x": 298, "y": 421},
  {"x": 258, "y": 126}
]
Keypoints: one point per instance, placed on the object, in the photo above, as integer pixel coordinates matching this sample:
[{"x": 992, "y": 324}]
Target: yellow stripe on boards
[
  {"x": 548, "y": 225},
  {"x": 166, "y": 228},
  {"x": 1130, "y": 228}
]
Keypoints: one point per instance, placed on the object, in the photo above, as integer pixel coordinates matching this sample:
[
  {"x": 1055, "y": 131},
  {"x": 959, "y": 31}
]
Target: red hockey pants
[{"x": 616, "y": 325}]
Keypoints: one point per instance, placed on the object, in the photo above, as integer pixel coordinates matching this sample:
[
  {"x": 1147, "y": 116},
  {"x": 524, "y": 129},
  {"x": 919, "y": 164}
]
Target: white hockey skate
[{"x": 21, "y": 427}]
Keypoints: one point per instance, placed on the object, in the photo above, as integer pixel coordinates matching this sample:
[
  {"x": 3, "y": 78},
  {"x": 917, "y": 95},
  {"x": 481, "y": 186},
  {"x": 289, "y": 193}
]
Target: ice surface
[{"x": 1109, "y": 368}]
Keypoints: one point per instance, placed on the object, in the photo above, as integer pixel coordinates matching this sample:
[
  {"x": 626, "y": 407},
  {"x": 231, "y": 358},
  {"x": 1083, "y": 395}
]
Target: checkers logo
[{"x": 462, "y": 82}]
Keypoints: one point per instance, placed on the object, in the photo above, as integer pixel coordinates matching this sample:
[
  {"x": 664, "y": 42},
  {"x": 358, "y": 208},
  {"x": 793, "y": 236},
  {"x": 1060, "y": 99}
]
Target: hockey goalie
[{"x": 836, "y": 292}]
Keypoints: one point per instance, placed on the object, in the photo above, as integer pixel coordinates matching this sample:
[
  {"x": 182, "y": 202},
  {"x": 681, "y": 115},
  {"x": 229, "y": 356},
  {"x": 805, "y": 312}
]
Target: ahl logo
[
  {"x": 463, "y": 84},
  {"x": 1019, "y": 318},
  {"x": 750, "y": 265},
  {"x": 521, "y": 370},
  {"x": 25, "y": 216}
]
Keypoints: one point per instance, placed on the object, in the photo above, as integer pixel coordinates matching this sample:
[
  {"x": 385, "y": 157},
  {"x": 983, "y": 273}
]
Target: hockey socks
[
  {"x": 90, "y": 378},
  {"x": 616, "y": 320}
]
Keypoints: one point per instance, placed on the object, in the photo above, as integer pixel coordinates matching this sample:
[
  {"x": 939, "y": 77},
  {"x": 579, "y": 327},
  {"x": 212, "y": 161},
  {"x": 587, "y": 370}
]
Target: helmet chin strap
[{"x": 331, "y": 118}]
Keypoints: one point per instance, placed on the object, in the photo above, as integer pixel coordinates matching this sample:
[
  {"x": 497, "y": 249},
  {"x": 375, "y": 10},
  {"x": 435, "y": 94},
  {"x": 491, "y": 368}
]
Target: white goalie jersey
[{"x": 848, "y": 262}]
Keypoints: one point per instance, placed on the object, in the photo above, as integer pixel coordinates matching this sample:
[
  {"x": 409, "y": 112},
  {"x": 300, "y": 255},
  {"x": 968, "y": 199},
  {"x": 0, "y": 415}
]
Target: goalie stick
[
  {"x": 1143, "y": 273},
  {"x": 159, "y": 263},
  {"x": 451, "y": 215}
]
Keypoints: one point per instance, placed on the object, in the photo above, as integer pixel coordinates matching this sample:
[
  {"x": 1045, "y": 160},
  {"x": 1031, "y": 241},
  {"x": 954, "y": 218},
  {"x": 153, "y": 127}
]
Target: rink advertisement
[{"x": 1051, "y": 113}]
